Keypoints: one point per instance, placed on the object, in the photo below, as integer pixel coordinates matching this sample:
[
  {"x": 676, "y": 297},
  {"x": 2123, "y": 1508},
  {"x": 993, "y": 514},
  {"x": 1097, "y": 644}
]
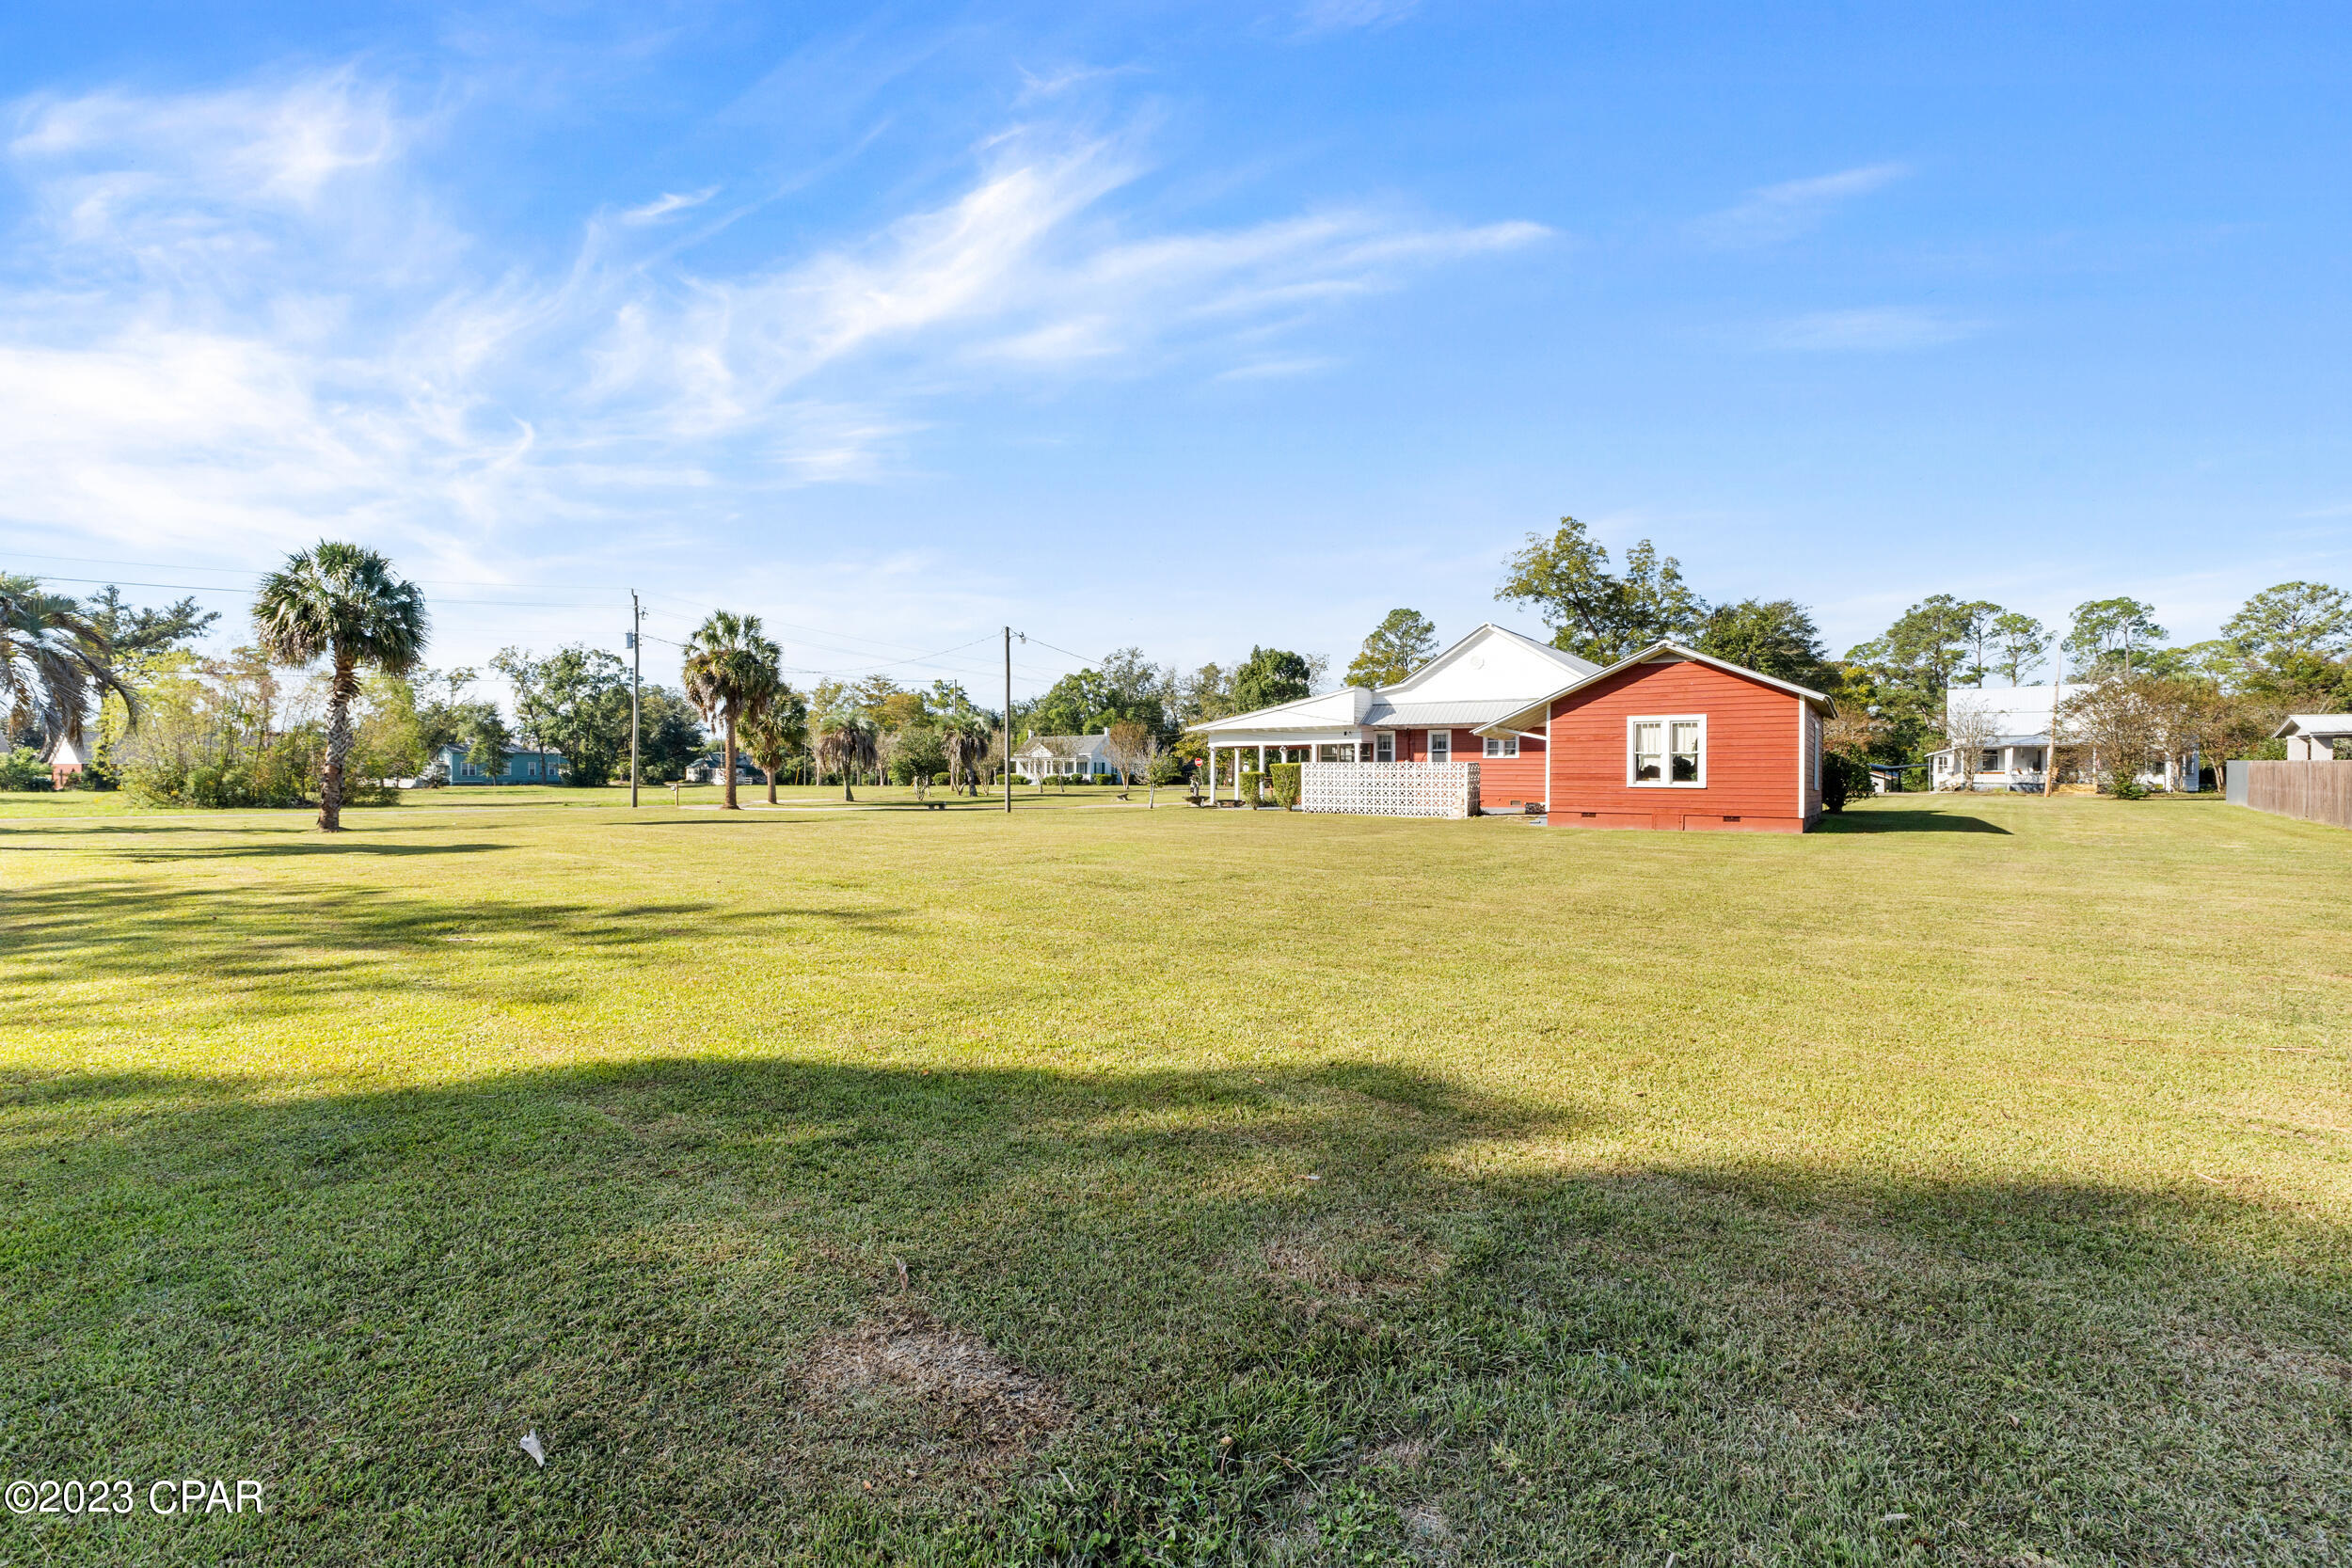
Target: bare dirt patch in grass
[{"x": 967, "y": 1392}]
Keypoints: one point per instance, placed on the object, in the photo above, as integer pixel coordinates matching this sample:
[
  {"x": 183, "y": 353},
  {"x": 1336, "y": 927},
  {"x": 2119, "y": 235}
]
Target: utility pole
[
  {"x": 2058, "y": 700},
  {"x": 636, "y": 684},
  {"x": 1009, "y": 719}
]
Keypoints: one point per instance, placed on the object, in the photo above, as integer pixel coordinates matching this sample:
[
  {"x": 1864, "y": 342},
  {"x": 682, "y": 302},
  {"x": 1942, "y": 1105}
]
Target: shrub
[
  {"x": 1167, "y": 768},
  {"x": 1251, "y": 784},
  {"x": 2127, "y": 786},
  {"x": 1844, "y": 778},
  {"x": 22, "y": 769},
  {"x": 1284, "y": 777}
]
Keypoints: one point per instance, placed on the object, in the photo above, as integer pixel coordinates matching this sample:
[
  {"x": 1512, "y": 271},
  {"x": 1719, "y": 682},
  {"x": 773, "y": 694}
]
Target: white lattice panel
[{"x": 1389, "y": 788}]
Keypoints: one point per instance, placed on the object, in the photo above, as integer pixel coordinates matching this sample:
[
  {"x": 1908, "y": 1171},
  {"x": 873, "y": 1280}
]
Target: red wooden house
[{"x": 1671, "y": 737}]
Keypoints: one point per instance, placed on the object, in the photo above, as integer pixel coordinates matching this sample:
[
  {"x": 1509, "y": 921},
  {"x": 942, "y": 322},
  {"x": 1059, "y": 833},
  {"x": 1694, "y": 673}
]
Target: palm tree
[
  {"x": 967, "y": 738},
  {"x": 343, "y": 603},
  {"x": 781, "y": 731},
  {"x": 731, "y": 677},
  {"x": 845, "y": 739},
  {"x": 55, "y": 661}
]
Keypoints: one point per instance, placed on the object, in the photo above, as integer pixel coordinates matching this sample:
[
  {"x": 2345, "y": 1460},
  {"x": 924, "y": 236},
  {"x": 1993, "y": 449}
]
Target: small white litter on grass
[
  {"x": 536, "y": 1450},
  {"x": 1895, "y": 1519}
]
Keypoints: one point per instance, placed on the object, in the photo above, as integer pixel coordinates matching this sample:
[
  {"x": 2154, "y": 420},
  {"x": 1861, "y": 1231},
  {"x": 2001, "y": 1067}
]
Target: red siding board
[
  {"x": 1501, "y": 781},
  {"x": 1753, "y": 744}
]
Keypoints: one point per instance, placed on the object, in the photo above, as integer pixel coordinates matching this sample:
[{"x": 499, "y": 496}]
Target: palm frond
[
  {"x": 343, "y": 602},
  {"x": 56, "y": 663}
]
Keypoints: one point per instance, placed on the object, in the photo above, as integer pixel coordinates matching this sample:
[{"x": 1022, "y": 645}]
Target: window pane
[
  {"x": 1686, "y": 759},
  {"x": 1646, "y": 754}
]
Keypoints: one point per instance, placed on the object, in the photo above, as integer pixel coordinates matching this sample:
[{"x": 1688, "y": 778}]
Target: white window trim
[
  {"x": 1435, "y": 736},
  {"x": 1383, "y": 742},
  {"x": 1501, "y": 746},
  {"x": 1667, "y": 722}
]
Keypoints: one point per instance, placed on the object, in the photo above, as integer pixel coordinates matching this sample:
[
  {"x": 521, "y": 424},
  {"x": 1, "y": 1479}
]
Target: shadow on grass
[
  {"x": 292, "y": 950},
  {"x": 1882, "y": 820},
  {"x": 141, "y": 827},
  {"x": 321, "y": 846},
  {"x": 1245, "y": 1313}
]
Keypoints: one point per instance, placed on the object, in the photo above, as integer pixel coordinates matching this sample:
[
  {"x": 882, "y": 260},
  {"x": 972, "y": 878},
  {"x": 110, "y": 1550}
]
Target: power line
[
  {"x": 1083, "y": 659},
  {"x": 918, "y": 659}
]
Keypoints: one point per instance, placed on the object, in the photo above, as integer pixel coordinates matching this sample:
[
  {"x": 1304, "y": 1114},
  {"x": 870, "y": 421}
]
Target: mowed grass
[{"x": 1966, "y": 1183}]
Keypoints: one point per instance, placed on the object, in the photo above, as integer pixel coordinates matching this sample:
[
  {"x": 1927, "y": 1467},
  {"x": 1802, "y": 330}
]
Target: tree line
[{"x": 235, "y": 730}]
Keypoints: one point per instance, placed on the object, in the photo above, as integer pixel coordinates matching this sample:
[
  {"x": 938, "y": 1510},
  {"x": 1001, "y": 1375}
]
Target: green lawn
[{"x": 1967, "y": 1184}]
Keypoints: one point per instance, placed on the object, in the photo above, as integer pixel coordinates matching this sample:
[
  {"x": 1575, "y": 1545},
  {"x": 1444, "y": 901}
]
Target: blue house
[{"x": 522, "y": 768}]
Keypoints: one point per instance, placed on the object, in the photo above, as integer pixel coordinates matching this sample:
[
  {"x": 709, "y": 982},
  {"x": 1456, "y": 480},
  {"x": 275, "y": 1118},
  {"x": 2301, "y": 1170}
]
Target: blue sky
[{"x": 1190, "y": 326}]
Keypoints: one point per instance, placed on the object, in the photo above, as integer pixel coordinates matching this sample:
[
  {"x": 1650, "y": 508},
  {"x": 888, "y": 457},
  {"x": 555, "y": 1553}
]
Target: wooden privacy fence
[{"x": 2315, "y": 791}]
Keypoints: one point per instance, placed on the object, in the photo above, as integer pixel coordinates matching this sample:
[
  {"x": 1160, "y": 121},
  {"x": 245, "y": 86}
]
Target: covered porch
[{"x": 1228, "y": 758}]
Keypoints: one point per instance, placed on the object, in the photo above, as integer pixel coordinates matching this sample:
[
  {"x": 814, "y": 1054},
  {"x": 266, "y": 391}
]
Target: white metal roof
[
  {"x": 2318, "y": 725},
  {"x": 1063, "y": 746},
  {"x": 1489, "y": 673}
]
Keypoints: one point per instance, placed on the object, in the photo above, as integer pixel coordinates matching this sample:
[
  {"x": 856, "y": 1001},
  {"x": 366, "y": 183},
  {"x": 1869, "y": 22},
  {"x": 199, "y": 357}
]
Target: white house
[
  {"x": 1432, "y": 716},
  {"x": 2012, "y": 725},
  {"x": 1065, "y": 756},
  {"x": 2312, "y": 736}
]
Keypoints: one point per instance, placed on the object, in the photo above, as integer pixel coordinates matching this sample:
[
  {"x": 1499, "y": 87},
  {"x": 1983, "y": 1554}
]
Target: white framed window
[
  {"x": 1441, "y": 745},
  {"x": 1503, "y": 745},
  {"x": 1666, "y": 751},
  {"x": 1384, "y": 746}
]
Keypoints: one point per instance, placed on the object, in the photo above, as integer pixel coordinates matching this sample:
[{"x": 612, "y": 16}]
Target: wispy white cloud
[
  {"x": 1783, "y": 212},
  {"x": 1336, "y": 16},
  {"x": 1878, "y": 330},
  {"x": 667, "y": 204},
  {"x": 244, "y": 315},
  {"x": 1279, "y": 370}
]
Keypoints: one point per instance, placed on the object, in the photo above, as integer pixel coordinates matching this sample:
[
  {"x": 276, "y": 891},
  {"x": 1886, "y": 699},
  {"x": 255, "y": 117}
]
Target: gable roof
[
  {"x": 1476, "y": 645},
  {"x": 2314, "y": 724},
  {"x": 1674, "y": 653},
  {"x": 1455, "y": 689}
]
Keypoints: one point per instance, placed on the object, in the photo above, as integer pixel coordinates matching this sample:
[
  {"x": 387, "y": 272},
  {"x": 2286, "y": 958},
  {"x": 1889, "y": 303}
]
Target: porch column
[{"x": 1213, "y": 772}]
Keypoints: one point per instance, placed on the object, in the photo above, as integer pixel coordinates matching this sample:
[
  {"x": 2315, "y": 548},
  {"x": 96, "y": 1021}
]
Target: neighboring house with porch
[
  {"x": 65, "y": 759},
  {"x": 520, "y": 767},
  {"x": 1669, "y": 737},
  {"x": 2008, "y": 728},
  {"x": 1085, "y": 757},
  {"x": 2312, "y": 736}
]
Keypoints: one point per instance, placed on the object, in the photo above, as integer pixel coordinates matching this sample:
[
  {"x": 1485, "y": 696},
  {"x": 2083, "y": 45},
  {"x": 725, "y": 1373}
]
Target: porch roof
[{"x": 2319, "y": 726}]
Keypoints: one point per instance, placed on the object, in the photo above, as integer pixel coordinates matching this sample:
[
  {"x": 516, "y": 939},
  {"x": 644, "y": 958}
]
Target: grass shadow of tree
[
  {"x": 1900, "y": 821},
  {"x": 288, "y": 949},
  {"x": 367, "y": 1297}
]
